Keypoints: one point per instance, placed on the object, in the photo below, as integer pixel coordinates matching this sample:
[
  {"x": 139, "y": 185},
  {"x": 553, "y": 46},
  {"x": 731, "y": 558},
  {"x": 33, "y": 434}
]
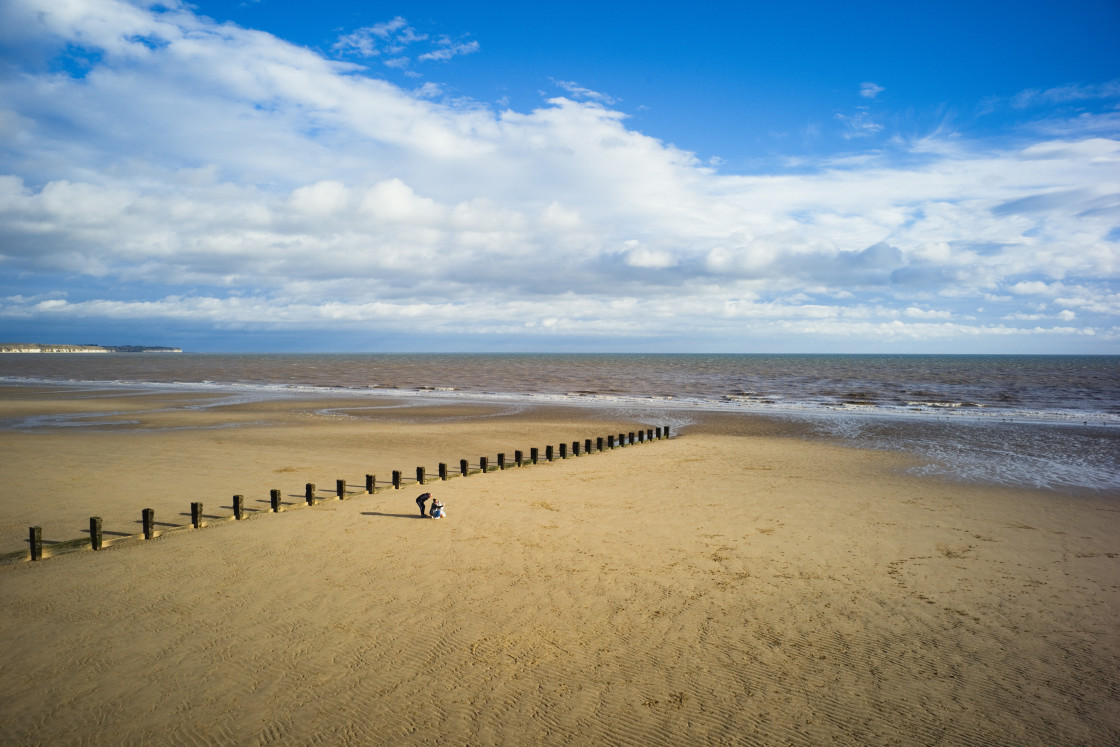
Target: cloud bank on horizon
[{"x": 166, "y": 175}]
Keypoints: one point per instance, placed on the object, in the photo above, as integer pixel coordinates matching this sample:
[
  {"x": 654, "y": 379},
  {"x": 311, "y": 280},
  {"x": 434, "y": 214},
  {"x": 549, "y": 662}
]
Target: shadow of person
[{"x": 397, "y": 516}]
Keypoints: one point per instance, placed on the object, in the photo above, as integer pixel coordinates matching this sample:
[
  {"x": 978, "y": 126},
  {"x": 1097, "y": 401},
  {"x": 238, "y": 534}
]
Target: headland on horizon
[{"x": 34, "y": 347}]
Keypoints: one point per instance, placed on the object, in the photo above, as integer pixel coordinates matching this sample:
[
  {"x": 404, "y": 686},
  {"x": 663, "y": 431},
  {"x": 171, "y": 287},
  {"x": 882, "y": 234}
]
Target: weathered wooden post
[
  {"x": 148, "y": 519},
  {"x": 442, "y": 471},
  {"x": 501, "y": 461},
  {"x": 484, "y": 463},
  {"x": 196, "y": 515},
  {"x": 548, "y": 452},
  {"x": 610, "y": 442},
  {"x": 534, "y": 454},
  {"x": 563, "y": 450},
  {"x": 371, "y": 481},
  {"x": 396, "y": 479},
  {"x": 587, "y": 446},
  {"x": 575, "y": 448},
  {"x": 36, "y": 542},
  {"x": 464, "y": 468},
  {"x": 274, "y": 499},
  {"x": 666, "y": 431},
  {"x": 309, "y": 493},
  {"x": 95, "y": 532},
  {"x": 238, "y": 507},
  {"x": 518, "y": 457},
  {"x": 622, "y": 440},
  {"x": 340, "y": 489},
  {"x": 632, "y": 441},
  {"x": 649, "y": 434},
  {"x": 598, "y": 443},
  {"x": 658, "y": 433},
  {"x": 641, "y": 437},
  {"x": 420, "y": 475}
]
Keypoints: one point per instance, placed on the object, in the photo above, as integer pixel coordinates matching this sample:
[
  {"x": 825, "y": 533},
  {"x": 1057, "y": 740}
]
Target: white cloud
[
  {"x": 393, "y": 38},
  {"x": 446, "y": 49},
  {"x": 580, "y": 92},
  {"x": 221, "y": 175},
  {"x": 918, "y": 313},
  {"x": 1067, "y": 93},
  {"x": 859, "y": 124},
  {"x": 870, "y": 90}
]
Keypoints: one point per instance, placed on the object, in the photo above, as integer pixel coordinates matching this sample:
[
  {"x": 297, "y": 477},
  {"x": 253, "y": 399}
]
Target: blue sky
[{"x": 814, "y": 177}]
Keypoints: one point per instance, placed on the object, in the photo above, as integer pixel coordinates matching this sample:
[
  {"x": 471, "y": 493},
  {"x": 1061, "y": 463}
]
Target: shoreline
[{"x": 1064, "y": 456}]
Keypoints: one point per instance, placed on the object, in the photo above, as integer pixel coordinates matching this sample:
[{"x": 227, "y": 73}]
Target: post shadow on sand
[
  {"x": 106, "y": 532},
  {"x": 154, "y": 523},
  {"x": 201, "y": 516}
]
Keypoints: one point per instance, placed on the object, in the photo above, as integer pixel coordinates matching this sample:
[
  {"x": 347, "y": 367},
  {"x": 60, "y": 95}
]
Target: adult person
[{"x": 421, "y": 500}]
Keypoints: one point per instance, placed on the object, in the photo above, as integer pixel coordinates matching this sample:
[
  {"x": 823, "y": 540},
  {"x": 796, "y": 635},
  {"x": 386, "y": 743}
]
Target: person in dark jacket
[{"x": 421, "y": 500}]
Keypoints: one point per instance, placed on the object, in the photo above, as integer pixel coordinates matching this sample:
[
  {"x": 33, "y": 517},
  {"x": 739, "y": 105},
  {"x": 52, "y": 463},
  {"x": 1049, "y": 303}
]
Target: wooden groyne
[{"x": 313, "y": 495}]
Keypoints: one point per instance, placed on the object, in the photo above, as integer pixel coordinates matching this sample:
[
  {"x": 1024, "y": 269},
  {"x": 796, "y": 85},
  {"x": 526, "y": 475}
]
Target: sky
[{"x": 800, "y": 177}]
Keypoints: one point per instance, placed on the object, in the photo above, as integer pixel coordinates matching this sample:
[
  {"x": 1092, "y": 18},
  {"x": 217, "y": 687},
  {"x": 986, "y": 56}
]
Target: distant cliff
[{"x": 33, "y": 347}]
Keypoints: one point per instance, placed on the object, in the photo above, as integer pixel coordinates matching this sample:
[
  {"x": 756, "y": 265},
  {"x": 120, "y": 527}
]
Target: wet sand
[{"x": 737, "y": 584}]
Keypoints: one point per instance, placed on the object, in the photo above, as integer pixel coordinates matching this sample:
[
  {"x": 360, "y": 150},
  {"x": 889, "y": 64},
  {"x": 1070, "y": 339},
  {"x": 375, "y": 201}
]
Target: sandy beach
[{"x": 737, "y": 584}]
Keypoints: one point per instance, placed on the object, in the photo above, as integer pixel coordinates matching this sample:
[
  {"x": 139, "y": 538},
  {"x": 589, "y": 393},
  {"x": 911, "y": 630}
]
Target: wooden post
[
  {"x": 238, "y": 507},
  {"x": 575, "y": 448},
  {"x": 548, "y": 452},
  {"x": 464, "y": 468},
  {"x": 484, "y": 463},
  {"x": 396, "y": 479},
  {"x": 36, "y": 541},
  {"x": 148, "y": 519},
  {"x": 534, "y": 454},
  {"x": 563, "y": 451},
  {"x": 501, "y": 461},
  {"x": 649, "y": 434},
  {"x": 274, "y": 499},
  {"x": 95, "y": 532},
  {"x": 610, "y": 442},
  {"x": 632, "y": 437},
  {"x": 641, "y": 437},
  {"x": 598, "y": 443},
  {"x": 658, "y": 433},
  {"x": 420, "y": 475},
  {"x": 621, "y": 440},
  {"x": 518, "y": 457},
  {"x": 371, "y": 481},
  {"x": 666, "y": 431},
  {"x": 340, "y": 489},
  {"x": 196, "y": 515},
  {"x": 309, "y": 493},
  {"x": 587, "y": 446},
  {"x": 442, "y": 471}
]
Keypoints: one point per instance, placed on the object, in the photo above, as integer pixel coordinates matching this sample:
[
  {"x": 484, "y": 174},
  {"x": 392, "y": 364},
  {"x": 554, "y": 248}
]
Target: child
[{"x": 437, "y": 509}]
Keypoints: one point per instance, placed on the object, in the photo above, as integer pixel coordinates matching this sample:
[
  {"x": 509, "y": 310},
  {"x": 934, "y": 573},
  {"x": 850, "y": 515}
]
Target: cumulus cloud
[{"x": 216, "y": 175}]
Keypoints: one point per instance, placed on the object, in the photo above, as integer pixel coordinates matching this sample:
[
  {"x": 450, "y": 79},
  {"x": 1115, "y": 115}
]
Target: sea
[{"x": 1040, "y": 421}]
